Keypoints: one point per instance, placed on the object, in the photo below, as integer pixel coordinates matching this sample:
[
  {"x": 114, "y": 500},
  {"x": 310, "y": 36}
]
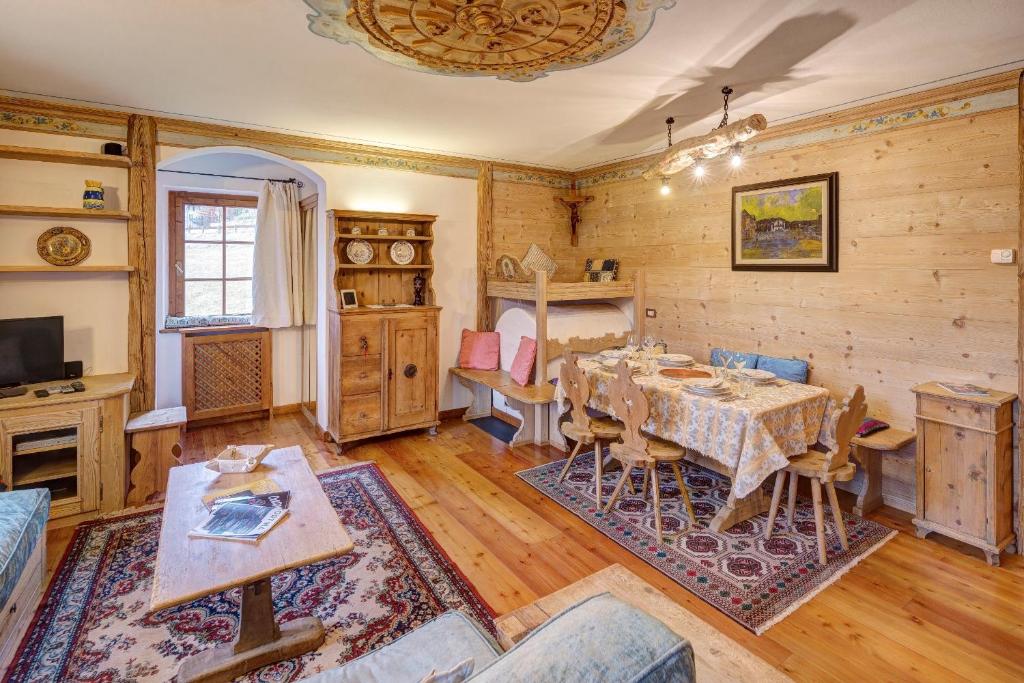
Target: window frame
[{"x": 176, "y": 202}]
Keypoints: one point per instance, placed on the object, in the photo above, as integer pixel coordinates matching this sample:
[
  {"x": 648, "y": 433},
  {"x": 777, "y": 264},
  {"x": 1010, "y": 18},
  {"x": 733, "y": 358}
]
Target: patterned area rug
[
  {"x": 93, "y": 625},
  {"x": 754, "y": 581}
]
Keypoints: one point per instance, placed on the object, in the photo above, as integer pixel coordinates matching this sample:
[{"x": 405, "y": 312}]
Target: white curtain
[{"x": 277, "y": 276}]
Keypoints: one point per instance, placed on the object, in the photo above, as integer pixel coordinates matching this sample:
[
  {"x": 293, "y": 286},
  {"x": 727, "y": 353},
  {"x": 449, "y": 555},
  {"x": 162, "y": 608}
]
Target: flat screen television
[{"x": 31, "y": 350}]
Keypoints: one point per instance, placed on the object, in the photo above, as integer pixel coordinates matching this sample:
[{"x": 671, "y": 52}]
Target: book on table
[{"x": 243, "y": 515}]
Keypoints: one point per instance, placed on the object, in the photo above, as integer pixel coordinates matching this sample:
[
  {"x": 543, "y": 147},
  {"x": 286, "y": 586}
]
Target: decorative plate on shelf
[
  {"x": 402, "y": 253},
  {"x": 63, "y": 246},
  {"x": 359, "y": 252}
]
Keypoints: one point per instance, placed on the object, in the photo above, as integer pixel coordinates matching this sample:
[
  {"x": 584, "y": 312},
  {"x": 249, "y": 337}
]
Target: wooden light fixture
[{"x": 724, "y": 138}]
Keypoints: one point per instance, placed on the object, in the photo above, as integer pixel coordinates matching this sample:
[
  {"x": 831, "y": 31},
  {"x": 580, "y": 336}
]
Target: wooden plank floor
[{"x": 914, "y": 610}]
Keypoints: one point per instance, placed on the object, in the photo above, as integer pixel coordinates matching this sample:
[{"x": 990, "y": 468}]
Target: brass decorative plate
[
  {"x": 517, "y": 40},
  {"x": 63, "y": 246}
]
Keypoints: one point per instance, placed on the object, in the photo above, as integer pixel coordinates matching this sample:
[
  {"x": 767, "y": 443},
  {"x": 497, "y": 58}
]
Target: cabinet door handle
[
  {"x": 410, "y": 370},
  {"x": 364, "y": 343}
]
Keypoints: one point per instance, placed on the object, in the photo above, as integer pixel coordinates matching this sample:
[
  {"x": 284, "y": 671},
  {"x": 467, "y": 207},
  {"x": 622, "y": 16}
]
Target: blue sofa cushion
[
  {"x": 437, "y": 645},
  {"x": 23, "y": 516},
  {"x": 722, "y": 358},
  {"x": 599, "y": 639},
  {"x": 793, "y": 369}
]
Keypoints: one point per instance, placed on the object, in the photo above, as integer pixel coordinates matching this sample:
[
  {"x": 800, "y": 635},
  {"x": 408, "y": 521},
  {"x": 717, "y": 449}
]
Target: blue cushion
[
  {"x": 722, "y": 358},
  {"x": 437, "y": 645},
  {"x": 23, "y": 516},
  {"x": 599, "y": 639},
  {"x": 793, "y": 369}
]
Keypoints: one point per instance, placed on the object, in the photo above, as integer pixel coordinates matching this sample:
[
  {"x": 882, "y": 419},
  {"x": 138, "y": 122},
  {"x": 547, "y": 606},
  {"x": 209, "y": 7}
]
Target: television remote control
[{"x": 11, "y": 392}]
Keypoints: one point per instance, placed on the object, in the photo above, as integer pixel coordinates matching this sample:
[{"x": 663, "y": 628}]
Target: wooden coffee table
[{"x": 191, "y": 568}]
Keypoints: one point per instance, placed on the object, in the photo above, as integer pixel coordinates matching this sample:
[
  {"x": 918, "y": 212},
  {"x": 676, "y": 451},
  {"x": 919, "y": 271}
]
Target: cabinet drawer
[
  {"x": 360, "y": 337},
  {"x": 963, "y": 414},
  {"x": 360, "y": 414},
  {"x": 360, "y": 375}
]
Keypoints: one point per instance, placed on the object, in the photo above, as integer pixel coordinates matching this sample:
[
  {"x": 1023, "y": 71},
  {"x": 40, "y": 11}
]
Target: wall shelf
[
  {"x": 66, "y": 269},
  {"x": 383, "y": 266},
  {"x": 56, "y": 212},
  {"x": 385, "y": 238},
  {"x": 61, "y": 156}
]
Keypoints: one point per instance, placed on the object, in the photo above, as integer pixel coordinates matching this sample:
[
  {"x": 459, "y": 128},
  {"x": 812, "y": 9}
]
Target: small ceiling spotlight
[
  {"x": 666, "y": 188},
  {"x": 736, "y": 160},
  {"x": 699, "y": 170}
]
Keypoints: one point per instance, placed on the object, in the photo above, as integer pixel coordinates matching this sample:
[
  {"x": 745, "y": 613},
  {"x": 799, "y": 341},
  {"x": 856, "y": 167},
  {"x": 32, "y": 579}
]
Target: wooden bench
[
  {"x": 868, "y": 451},
  {"x": 154, "y": 447},
  {"x": 530, "y": 401}
]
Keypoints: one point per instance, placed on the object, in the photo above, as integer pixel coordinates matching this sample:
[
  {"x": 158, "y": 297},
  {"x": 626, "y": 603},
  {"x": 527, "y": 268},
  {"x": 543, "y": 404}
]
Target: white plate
[
  {"x": 359, "y": 252},
  {"x": 756, "y": 375},
  {"x": 675, "y": 359},
  {"x": 614, "y": 353},
  {"x": 402, "y": 253}
]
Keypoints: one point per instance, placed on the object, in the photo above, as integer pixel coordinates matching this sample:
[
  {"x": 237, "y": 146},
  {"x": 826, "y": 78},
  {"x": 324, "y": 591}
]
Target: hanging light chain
[
  {"x": 726, "y": 91},
  {"x": 668, "y": 122}
]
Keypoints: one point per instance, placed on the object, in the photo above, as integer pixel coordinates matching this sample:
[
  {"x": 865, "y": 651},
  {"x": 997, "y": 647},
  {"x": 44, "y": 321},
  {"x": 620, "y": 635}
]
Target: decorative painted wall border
[
  {"x": 952, "y": 109},
  {"x": 302, "y": 149}
]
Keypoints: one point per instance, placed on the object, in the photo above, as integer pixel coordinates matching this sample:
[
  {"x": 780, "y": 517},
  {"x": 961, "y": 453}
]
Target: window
[{"x": 211, "y": 248}]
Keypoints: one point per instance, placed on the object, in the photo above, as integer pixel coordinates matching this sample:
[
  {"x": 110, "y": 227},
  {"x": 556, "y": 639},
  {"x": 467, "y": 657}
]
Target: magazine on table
[
  {"x": 239, "y": 521},
  {"x": 273, "y": 499},
  {"x": 964, "y": 389},
  {"x": 253, "y": 488}
]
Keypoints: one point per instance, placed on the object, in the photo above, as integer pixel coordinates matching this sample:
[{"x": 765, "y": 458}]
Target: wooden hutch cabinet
[
  {"x": 383, "y": 368},
  {"x": 965, "y": 467}
]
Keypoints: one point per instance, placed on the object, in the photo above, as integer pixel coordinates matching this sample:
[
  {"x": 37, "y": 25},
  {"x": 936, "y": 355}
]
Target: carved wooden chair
[
  {"x": 823, "y": 468},
  {"x": 583, "y": 428},
  {"x": 642, "y": 450}
]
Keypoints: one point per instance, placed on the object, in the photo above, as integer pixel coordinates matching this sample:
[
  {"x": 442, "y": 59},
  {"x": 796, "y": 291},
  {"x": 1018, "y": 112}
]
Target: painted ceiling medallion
[{"x": 517, "y": 40}]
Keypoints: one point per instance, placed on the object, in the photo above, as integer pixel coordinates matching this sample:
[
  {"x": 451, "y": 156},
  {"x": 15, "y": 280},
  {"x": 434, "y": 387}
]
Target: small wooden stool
[
  {"x": 154, "y": 447},
  {"x": 868, "y": 452}
]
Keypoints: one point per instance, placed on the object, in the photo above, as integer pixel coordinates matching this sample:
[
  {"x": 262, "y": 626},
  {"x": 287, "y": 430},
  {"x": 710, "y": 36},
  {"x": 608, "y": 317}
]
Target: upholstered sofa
[
  {"x": 23, "y": 516},
  {"x": 601, "y": 638}
]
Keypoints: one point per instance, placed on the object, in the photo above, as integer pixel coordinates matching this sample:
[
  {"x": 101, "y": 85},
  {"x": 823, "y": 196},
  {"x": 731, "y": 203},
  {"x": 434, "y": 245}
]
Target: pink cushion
[
  {"x": 480, "y": 350},
  {"x": 522, "y": 366}
]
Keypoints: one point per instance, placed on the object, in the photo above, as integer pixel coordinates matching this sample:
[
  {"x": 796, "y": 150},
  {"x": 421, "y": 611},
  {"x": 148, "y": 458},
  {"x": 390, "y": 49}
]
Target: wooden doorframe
[
  {"x": 142, "y": 257},
  {"x": 484, "y": 240},
  {"x": 1019, "y": 460}
]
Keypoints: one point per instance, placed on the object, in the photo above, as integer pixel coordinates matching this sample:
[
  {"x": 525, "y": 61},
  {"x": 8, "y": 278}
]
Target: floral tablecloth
[{"x": 753, "y": 436}]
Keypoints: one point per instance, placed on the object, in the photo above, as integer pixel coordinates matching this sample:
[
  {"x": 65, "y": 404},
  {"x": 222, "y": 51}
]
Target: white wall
[
  {"x": 94, "y": 305},
  {"x": 286, "y": 341},
  {"x": 453, "y": 200}
]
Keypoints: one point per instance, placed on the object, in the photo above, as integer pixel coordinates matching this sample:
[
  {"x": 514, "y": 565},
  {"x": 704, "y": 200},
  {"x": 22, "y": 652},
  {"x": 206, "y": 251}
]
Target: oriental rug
[
  {"x": 93, "y": 624},
  {"x": 755, "y": 581}
]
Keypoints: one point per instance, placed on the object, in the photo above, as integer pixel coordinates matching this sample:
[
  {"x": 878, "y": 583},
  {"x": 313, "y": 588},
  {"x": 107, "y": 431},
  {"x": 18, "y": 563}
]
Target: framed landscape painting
[{"x": 790, "y": 225}]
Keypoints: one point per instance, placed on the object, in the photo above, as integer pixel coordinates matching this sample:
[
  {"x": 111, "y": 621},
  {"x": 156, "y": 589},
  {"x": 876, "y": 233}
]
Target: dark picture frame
[{"x": 781, "y": 239}]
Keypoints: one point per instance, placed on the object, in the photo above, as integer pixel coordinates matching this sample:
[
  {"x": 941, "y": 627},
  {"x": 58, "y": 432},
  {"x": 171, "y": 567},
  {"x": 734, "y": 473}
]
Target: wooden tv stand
[{"x": 72, "y": 444}]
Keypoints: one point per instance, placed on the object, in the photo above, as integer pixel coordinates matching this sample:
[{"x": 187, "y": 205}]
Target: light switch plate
[
  {"x": 1004, "y": 255},
  {"x": 652, "y": 313}
]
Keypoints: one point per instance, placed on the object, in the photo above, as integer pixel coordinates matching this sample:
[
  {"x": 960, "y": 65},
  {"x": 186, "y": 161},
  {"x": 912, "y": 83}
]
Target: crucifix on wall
[{"x": 573, "y": 203}]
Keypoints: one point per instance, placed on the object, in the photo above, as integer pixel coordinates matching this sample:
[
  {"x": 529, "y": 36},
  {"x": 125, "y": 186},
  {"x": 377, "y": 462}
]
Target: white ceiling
[{"x": 253, "y": 62}]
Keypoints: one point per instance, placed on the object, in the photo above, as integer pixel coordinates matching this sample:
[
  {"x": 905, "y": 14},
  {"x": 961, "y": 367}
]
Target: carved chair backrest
[
  {"x": 845, "y": 422},
  {"x": 630, "y": 406},
  {"x": 577, "y": 390}
]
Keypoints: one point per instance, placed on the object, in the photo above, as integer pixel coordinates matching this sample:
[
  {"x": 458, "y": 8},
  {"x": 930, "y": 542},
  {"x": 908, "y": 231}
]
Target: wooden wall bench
[
  {"x": 868, "y": 452},
  {"x": 153, "y": 447},
  {"x": 531, "y": 401}
]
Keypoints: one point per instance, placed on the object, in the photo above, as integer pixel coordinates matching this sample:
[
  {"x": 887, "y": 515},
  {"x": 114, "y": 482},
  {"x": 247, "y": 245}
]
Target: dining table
[{"x": 746, "y": 435}]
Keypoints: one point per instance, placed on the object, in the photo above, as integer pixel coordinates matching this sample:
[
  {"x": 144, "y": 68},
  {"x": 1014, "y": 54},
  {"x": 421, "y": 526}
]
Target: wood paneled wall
[
  {"x": 526, "y": 214},
  {"x": 915, "y": 298}
]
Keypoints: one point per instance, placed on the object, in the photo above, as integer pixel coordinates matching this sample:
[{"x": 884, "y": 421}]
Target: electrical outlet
[
  {"x": 1004, "y": 255},
  {"x": 652, "y": 313}
]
